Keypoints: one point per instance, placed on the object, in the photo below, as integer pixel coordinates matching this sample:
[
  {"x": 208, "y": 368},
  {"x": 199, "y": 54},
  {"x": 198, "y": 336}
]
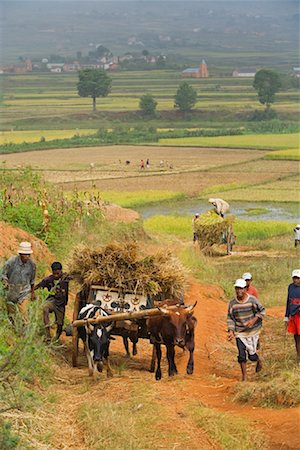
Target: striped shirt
[{"x": 240, "y": 312}]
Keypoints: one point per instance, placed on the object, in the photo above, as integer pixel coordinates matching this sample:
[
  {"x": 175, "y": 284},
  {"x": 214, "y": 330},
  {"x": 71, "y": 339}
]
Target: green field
[{"x": 291, "y": 154}]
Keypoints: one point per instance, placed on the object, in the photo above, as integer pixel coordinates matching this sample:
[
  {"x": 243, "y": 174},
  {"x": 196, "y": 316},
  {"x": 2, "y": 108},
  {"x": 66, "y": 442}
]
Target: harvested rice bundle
[
  {"x": 122, "y": 266},
  {"x": 210, "y": 228}
]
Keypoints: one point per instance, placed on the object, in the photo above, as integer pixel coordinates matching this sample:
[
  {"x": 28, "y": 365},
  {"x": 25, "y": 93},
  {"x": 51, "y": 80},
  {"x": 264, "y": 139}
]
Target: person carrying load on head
[
  {"x": 297, "y": 235},
  {"x": 244, "y": 321},
  {"x": 18, "y": 277},
  {"x": 194, "y": 227},
  {"x": 292, "y": 311},
  {"x": 58, "y": 286},
  {"x": 221, "y": 207}
]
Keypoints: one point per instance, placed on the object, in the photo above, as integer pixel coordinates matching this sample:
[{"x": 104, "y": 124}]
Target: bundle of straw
[
  {"x": 122, "y": 266},
  {"x": 210, "y": 227}
]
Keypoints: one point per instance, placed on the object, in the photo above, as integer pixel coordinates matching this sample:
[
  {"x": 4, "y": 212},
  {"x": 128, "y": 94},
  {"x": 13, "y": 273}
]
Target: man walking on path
[
  {"x": 58, "y": 287},
  {"x": 244, "y": 320},
  {"x": 251, "y": 290},
  {"x": 292, "y": 312},
  {"x": 18, "y": 280}
]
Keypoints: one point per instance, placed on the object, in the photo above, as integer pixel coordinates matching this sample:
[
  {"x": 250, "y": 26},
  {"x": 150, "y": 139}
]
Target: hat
[
  {"x": 25, "y": 248},
  {"x": 296, "y": 273},
  {"x": 197, "y": 214},
  {"x": 247, "y": 276},
  {"x": 298, "y": 226},
  {"x": 240, "y": 283}
]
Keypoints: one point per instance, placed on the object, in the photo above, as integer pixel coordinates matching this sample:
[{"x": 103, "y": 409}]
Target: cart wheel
[{"x": 75, "y": 341}]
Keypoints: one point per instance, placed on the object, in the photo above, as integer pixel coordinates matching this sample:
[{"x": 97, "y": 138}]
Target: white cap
[
  {"x": 247, "y": 276},
  {"x": 298, "y": 226},
  {"x": 197, "y": 214},
  {"x": 25, "y": 248},
  {"x": 240, "y": 283},
  {"x": 296, "y": 273}
]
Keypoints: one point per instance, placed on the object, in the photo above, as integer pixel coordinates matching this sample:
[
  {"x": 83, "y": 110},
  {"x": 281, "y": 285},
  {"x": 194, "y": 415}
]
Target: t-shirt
[
  {"x": 293, "y": 300},
  {"x": 58, "y": 289},
  {"x": 251, "y": 290}
]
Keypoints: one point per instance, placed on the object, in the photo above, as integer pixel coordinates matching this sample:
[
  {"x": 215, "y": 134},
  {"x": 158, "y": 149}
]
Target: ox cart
[{"x": 128, "y": 311}]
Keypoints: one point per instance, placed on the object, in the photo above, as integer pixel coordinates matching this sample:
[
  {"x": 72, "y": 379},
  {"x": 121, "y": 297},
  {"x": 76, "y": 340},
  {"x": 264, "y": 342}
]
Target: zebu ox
[
  {"x": 96, "y": 340},
  {"x": 176, "y": 327}
]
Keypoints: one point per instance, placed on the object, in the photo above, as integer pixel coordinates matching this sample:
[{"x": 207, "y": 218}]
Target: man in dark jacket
[
  {"x": 292, "y": 312},
  {"x": 58, "y": 287}
]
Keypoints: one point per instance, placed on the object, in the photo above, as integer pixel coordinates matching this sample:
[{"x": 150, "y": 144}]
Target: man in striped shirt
[{"x": 244, "y": 320}]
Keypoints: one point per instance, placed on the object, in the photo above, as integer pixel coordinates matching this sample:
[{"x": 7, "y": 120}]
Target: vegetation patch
[
  {"x": 18, "y": 137},
  {"x": 290, "y": 154},
  {"x": 228, "y": 430}
]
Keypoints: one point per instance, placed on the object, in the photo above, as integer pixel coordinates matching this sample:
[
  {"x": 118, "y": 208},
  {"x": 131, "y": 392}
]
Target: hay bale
[
  {"x": 210, "y": 227},
  {"x": 123, "y": 266}
]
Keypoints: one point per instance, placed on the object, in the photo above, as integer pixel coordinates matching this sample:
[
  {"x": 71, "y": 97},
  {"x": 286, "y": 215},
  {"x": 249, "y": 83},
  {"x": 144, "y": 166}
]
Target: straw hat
[{"x": 25, "y": 248}]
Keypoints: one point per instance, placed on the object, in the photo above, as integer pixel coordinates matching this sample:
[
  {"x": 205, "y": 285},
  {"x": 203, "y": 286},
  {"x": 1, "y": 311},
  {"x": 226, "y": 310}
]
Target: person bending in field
[
  {"x": 244, "y": 320},
  {"x": 292, "y": 312},
  {"x": 58, "y": 286}
]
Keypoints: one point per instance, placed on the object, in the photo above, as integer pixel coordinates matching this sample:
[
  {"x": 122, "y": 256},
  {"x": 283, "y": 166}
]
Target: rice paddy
[
  {"x": 257, "y": 141},
  {"x": 17, "y": 137},
  {"x": 290, "y": 154}
]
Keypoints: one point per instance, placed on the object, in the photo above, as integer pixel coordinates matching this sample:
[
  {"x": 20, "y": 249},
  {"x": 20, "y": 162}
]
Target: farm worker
[
  {"x": 142, "y": 164},
  {"x": 244, "y": 320},
  {"x": 251, "y": 290},
  {"x": 194, "y": 227},
  {"x": 58, "y": 286},
  {"x": 297, "y": 235},
  {"x": 221, "y": 207},
  {"x": 148, "y": 163},
  {"x": 292, "y": 312},
  {"x": 18, "y": 279}
]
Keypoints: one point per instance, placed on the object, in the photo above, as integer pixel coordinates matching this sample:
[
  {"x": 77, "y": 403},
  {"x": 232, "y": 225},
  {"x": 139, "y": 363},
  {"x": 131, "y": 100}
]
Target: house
[
  {"x": 196, "y": 72},
  {"x": 296, "y": 71},
  {"x": 246, "y": 72},
  {"x": 55, "y": 67}
]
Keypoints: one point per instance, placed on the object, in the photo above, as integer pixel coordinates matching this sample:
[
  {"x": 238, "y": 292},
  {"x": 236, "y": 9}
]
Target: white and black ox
[
  {"x": 175, "y": 328},
  {"x": 96, "y": 339}
]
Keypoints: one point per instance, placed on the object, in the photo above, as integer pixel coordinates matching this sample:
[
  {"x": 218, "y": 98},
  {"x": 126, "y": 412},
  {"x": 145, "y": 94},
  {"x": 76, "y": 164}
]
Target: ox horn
[
  {"x": 163, "y": 310},
  {"x": 190, "y": 308}
]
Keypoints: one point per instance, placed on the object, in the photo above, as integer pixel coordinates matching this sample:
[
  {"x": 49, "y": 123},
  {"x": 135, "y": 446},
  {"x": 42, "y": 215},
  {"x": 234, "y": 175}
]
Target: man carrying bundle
[
  {"x": 194, "y": 227},
  {"x": 244, "y": 320},
  {"x": 58, "y": 287}
]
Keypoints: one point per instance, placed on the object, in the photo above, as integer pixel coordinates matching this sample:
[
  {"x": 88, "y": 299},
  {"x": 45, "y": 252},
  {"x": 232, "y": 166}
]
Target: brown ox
[{"x": 177, "y": 327}]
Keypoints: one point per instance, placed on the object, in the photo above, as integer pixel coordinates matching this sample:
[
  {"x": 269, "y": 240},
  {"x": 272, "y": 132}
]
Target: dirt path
[{"x": 208, "y": 386}]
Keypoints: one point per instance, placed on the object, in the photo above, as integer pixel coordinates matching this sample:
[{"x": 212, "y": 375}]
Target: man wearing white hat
[
  {"x": 297, "y": 235},
  {"x": 244, "y": 320},
  {"x": 18, "y": 279},
  {"x": 292, "y": 312},
  {"x": 194, "y": 227},
  {"x": 251, "y": 290}
]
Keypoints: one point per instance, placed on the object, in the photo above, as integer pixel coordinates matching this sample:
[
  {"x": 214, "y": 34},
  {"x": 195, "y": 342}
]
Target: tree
[
  {"x": 266, "y": 83},
  {"x": 185, "y": 98},
  {"x": 148, "y": 104},
  {"x": 93, "y": 83}
]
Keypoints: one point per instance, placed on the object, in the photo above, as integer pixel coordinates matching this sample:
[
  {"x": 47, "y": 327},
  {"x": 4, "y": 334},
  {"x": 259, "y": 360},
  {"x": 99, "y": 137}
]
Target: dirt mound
[
  {"x": 10, "y": 237},
  {"x": 117, "y": 214}
]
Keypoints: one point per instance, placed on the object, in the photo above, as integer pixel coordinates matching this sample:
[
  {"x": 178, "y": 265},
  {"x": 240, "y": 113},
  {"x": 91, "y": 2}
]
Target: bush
[
  {"x": 260, "y": 115},
  {"x": 8, "y": 439}
]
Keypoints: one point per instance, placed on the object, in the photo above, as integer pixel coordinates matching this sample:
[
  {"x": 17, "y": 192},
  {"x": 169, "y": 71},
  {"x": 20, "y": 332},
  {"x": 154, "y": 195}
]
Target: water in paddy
[{"x": 242, "y": 210}]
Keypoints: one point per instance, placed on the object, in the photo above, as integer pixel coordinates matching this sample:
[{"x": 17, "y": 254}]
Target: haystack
[
  {"x": 123, "y": 266},
  {"x": 210, "y": 227}
]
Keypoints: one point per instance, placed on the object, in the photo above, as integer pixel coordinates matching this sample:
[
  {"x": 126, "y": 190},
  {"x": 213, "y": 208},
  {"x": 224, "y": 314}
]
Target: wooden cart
[{"x": 123, "y": 306}]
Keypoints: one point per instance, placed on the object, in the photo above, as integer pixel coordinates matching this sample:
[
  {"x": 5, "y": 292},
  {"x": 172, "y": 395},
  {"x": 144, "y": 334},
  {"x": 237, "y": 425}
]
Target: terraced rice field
[
  {"x": 291, "y": 154},
  {"x": 257, "y": 141},
  {"x": 17, "y": 137}
]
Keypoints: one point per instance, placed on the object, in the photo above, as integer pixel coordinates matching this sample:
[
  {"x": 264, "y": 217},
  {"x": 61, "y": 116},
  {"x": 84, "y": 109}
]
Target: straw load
[
  {"x": 123, "y": 266},
  {"x": 210, "y": 228}
]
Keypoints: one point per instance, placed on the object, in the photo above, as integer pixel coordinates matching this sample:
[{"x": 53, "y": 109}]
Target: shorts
[
  {"x": 242, "y": 356},
  {"x": 59, "y": 312},
  {"x": 294, "y": 324}
]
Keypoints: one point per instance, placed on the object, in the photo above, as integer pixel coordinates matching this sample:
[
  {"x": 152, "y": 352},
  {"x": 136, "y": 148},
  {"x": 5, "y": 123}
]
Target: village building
[
  {"x": 296, "y": 71},
  {"x": 196, "y": 72},
  {"x": 245, "y": 72}
]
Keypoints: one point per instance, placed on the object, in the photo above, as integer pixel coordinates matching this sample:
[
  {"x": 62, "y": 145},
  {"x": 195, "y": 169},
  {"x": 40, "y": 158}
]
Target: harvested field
[{"x": 109, "y": 157}]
